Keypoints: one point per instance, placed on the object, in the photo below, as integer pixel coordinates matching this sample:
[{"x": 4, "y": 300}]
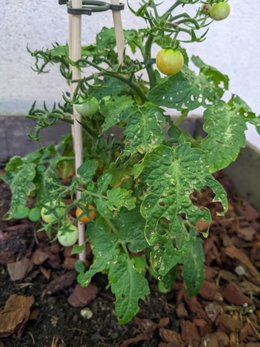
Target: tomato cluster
[{"x": 67, "y": 234}]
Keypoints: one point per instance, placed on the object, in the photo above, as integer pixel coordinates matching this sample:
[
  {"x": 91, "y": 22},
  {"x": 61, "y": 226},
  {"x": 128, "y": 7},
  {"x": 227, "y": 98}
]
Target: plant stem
[
  {"x": 122, "y": 78},
  {"x": 147, "y": 60},
  {"x": 168, "y": 13},
  {"x": 180, "y": 119},
  {"x": 111, "y": 225}
]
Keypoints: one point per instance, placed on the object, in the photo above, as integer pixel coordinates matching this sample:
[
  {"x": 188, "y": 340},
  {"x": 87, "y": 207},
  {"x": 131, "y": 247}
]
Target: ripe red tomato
[{"x": 169, "y": 61}]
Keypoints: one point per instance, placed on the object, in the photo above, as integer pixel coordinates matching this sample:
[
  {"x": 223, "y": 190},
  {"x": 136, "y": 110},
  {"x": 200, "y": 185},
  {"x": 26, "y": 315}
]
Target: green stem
[
  {"x": 180, "y": 119},
  {"x": 148, "y": 63},
  {"x": 168, "y": 13},
  {"x": 111, "y": 225},
  {"x": 122, "y": 78}
]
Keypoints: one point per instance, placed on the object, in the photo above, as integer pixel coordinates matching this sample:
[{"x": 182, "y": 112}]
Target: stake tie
[{"x": 90, "y": 6}]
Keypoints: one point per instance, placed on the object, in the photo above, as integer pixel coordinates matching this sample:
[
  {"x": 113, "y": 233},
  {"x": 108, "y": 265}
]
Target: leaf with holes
[
  {"x": 226, "y": 135},
  {"x": 144, "y": 129},
  {"x": 22, "y": 186},
  {"x": 185, "y": 90},
  {"x": 221, "y": 81},
  {"x": 171, "y": 176}
]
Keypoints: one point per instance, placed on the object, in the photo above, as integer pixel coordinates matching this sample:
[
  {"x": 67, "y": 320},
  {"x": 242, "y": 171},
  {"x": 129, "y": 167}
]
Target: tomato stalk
[{"x": 148, "y": 59}]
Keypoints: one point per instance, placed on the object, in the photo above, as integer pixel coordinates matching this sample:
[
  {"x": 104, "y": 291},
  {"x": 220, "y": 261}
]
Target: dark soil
[{"x": 226, "y": 313}]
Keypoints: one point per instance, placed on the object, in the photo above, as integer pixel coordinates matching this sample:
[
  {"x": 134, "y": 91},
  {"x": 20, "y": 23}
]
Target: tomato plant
[{"x": 140, "y": 177}]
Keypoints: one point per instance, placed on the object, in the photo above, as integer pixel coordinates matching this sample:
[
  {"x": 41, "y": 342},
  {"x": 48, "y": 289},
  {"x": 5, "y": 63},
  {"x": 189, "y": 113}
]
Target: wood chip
[
  {"x": 172, "y": 336},
  {"x": 233, "y": 294},
  {"x": 19, "y": 269},
  {"x": 209, "y": 290},
  {"x": 190, "y": 334},
  {"x": 83, "y": 296},
  {"x": 60, "y": 282},
  {"x": 247, "y": 233},
  {"x": 240, "y": 256},
  {"x": 39, "y": 256},
  {"x": 228, "y": 324},
  {"x": 213, "y": 310},
  {"x": 15, "y": 315}
]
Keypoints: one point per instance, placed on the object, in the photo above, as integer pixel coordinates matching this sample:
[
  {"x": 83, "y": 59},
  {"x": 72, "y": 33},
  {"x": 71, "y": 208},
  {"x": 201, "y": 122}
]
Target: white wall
[{"x": 233, "y": 46}]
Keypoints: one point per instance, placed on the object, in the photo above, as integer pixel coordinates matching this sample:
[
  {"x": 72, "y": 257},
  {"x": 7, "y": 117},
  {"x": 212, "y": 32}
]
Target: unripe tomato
[
  {"x": 169, "y": 61},
  {"x": 87, "y": 108},
  {"x": 68, "y": 235},
  {"x": 220, "y": 10},
  {"x": 52, "y": 217},
  {"x": 86, "y": 218}
]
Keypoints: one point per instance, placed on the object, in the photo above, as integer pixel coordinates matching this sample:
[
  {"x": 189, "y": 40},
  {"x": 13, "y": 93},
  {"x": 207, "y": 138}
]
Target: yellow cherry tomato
[
  {"x": 86, "y": 218},
  {"x": 169, "y": 61}
]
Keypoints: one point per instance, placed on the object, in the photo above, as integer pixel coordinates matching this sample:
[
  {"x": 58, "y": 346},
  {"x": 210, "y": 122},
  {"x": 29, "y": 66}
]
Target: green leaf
[
  {"x": 59, "y": 51},
  {"x": 226, "y": 135},
  {"x": 220, "y": 80},
  {"x": 88, "y": 169},
  {"x": 185, "y": 90},
  {"x": 193, "y": 267},
  {"x": 144, "y": 129},
  {"x": 244, "y": 110},
  {"x": 129, "y": 286},
  {"x": 165, "y": 256},
  {"x": 104, "y": 182},
  {"x": 120, "y": 197},
  {"x": 114, "y": 110},
  {"x": 22, "y": 186},
  {"x": 109, "y": 86},
  {"x": 21, "y": 212},
  {"x": 79, "y": 266},
  {"x": 106, "y": 39},
  {"x": 115, "y": 199},
  {"x": 103, "y": 247},
  {"x": 131, "y": 229},
  {"x": 256, "y": 123},
  {"x": 76, "y": 249},
  {"x": 172, "y": 175}
]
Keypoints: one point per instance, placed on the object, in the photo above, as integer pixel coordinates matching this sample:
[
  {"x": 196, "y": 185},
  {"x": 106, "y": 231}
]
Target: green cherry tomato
[
  {"x": 169, "y": 61},
  {"x": 58, "y": 210},
  {"x": 87, "y": 108},
  {"x": 68, "y": 235},
  {"x": 220, "y": 10}
]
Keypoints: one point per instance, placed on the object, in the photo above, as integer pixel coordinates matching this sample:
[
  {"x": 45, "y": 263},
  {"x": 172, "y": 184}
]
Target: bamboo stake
[
  {"x": 75, "y": 54},
  {"x": 120, "y": 40}
]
